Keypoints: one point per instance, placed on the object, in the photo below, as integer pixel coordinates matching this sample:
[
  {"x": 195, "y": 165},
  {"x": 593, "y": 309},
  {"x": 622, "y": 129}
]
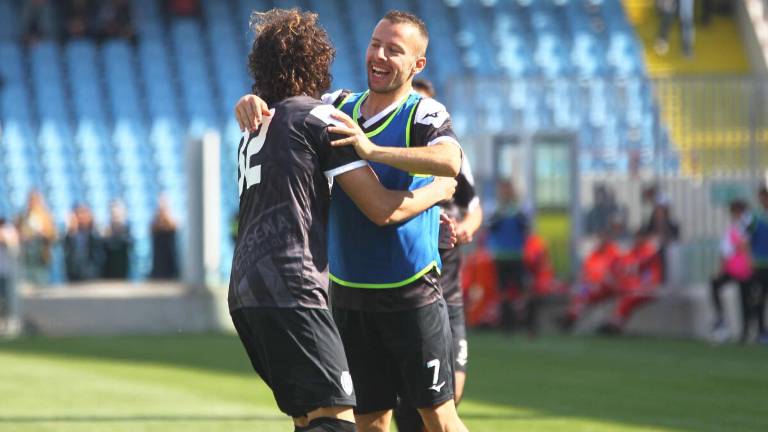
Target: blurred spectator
[
  {"x": 637, "y": 277},
  {"x": 83, "y": 250},
  {"x": 735, "y": 267},
  {"x": 37, "y": 232},
  {"x": 667, "y": 10},
  {"x": 479, "y": 281},
  {"x": 507, "y": 232},
  {"x": 598, "y": 279},
  {"x": 38, "y": 20},
  {"x": 183, "y": 8},
  {"x": 605, "y": 211},
  {"x": 660, "y": 223},
  {"x": 757, "y": 229},
  {"x": 79, "y": 18},
  {"x": 540, "y": 278},
  {"x": 118, "y": 244},
  {"x": 164, "y": 255},
  {"x": 9, "y": 248},
  {"x": 115, "y": 20},
  {"x": 424, "y": 87}
]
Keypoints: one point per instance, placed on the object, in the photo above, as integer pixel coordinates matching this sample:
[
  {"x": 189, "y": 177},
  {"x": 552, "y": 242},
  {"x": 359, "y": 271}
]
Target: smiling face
[{"x": 395, "y": 54}]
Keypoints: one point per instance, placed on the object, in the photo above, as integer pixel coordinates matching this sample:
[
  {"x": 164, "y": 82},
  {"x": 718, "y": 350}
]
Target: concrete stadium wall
[
  {"x": 676, "y": 313},
  {"x": 112, "y": 308},
  {"x": 109, "y": 308}
]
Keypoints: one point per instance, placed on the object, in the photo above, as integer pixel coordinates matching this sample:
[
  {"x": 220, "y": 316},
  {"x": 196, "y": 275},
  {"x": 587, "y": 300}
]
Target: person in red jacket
[
  {"x": 479, "y": 285},
  {"x": 541, "y": 278},
  {"x": 598, "y": 279},
  {"x": 639, "y": 273}
]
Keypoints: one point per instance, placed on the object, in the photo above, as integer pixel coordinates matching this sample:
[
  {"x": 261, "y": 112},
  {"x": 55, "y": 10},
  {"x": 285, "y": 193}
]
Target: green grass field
[{"x": 204, "y": 383}]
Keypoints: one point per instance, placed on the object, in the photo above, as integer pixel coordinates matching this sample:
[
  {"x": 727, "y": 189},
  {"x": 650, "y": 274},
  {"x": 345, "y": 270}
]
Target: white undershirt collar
[{"x": 380, "y": 115}]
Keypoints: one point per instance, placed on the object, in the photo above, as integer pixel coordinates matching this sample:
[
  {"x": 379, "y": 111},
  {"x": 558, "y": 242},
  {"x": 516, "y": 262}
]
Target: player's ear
[{"x": 421, "y": 63}]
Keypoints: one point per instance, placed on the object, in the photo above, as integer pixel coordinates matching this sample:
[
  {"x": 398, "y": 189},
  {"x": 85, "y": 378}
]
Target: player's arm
[
  {"x": 467, "y": 228},
  {"x": 466, "y": 197},
  {"x": 379, "y": 204},
  {"x": 250, "y": 109},
  {"x": 384, "y": 206},
  {"x": 443, "y": 158}
]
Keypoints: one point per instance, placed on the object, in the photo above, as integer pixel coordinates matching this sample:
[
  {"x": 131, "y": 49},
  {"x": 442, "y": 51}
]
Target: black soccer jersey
[
  {"x": 464, "y": 199},
  {"x": 284, "y": 170}
]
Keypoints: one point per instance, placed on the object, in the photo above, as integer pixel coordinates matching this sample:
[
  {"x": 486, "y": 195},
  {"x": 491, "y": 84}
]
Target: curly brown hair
[{"x": 291, "y": 55}]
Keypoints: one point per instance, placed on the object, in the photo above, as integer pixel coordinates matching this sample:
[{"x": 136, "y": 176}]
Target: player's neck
[{"x": 378, "y": 102}]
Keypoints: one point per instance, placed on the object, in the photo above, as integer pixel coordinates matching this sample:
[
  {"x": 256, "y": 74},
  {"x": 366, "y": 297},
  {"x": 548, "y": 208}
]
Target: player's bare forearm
[
  {"x": 412, "y": 203},
  {"x": 383, "y": 206},
  {"x": 441, "y": 159},
  {"x": 472, "y": 221}
]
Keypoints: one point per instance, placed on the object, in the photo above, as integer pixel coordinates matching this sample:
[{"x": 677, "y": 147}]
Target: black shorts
[
  {"x": 459, "y": 337},
  {"x": 298, "y": 354},
  {"x": 406, "y": 353}
]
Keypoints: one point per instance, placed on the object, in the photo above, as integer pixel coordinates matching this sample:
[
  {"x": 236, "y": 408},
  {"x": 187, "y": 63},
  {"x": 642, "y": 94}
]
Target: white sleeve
[
  {"x": 330, "y": 98},
  {"x": 323, "y": 113}
]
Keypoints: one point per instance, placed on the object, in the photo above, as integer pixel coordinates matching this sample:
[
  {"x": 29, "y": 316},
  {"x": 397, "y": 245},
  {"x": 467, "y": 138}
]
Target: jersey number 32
[{"x": 248, "y": 173}]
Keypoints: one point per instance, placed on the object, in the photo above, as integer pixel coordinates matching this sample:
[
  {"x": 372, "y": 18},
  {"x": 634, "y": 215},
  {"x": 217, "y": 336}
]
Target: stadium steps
[
  {"x": 718, "y": 48},
  {"x": 707, "y": 124}
]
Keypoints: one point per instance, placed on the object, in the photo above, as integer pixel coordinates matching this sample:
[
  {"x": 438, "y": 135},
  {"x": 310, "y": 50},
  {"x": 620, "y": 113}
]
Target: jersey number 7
[{"x": 248, "y": 174}]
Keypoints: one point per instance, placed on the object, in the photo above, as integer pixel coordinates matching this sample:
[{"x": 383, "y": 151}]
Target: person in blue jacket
[{"x": 507, "y": 232}]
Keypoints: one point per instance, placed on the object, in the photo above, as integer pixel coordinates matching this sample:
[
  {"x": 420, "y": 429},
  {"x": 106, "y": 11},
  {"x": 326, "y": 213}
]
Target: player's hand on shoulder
[
  {"x": 353, "y": 135},
  {"x": 446, "y": 187},
  {"x": 249, "y": 111}
]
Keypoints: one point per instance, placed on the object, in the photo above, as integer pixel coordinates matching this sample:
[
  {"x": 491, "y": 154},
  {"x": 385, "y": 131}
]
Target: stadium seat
[
  {"x": 9, "y": 22},
  {"x": 148, "y": 18}
]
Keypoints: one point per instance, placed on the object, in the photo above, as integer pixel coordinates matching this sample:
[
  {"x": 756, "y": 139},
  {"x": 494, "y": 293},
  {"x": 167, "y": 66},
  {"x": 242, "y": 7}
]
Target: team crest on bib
[{"x": 346, "y": 383}]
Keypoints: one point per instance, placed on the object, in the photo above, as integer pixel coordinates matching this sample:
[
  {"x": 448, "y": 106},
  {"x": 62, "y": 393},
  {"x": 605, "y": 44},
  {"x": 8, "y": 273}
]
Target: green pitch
[{"x": 203, "y": 383}]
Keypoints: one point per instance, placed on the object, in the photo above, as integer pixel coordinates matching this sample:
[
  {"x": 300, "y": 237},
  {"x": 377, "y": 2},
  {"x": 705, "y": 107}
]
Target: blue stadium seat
[
  {"x": 48, "y": 79},
  {"x": 24, "y": 172},
  {"x": 82, "y": 68},
  {"x": 148, "y": 18},
  {"x": 242, "y": 18},
  {"x": 191, "y": 64},
  {"x": 154, "y": 59},
  {"x": 9, "y": 20},
  {"x": 14, "y": 102},
  {"x": 227, "y": 56},
  {"x": 474, "y": 30},
  {"x": 444, "y": 48},
  {"x": 11, "y": 59},
  {"x": 348, "y": 70}
]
